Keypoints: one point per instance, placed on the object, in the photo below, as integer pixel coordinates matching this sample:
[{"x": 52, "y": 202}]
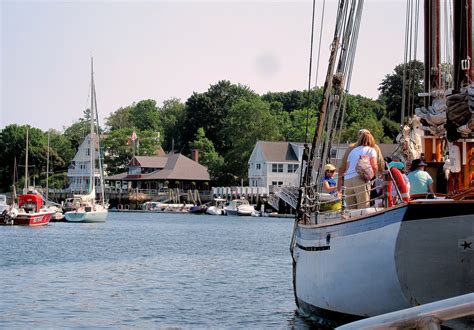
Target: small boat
[
  {"x": 198, "y": 209},
  {"x": 31, "y": 211},
  {"x": 239, "y": 206},
  {"x": 217, "y": 208},
  {"x": 3, "y": 203}
]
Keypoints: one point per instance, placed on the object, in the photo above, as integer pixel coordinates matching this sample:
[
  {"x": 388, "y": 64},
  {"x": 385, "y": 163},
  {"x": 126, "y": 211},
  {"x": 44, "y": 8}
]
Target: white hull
[
  {"x": 212, "y": 210},
  {"x": 83, "y": 216},
  {"x": 384, "y": 262}
]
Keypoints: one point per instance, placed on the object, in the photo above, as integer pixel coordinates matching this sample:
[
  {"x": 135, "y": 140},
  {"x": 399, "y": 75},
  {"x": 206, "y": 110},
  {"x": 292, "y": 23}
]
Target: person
[
  {"x": 400, "y": 166},
  {"x": 357, "y": 189},
  {"x": 329, "y": 184},
  {"x": 343, "y": 164},
  {"x": 420, "y": 181}
]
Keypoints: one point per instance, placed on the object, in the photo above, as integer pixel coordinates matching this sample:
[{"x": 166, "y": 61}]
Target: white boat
[
  {"x": 353, "y": 264},
  {"x": 238, "y": 206},
  {"x": 85, "y": 208},
  {"x": 3, "y": 203},
  {"x": 217, "y": 208}
]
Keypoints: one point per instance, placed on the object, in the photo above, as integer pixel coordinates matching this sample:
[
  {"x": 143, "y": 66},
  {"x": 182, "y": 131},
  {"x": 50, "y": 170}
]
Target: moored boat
[{"x": 85, "y": 208}]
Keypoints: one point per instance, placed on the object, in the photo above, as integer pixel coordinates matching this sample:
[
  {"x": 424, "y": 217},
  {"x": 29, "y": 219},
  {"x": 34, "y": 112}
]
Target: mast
[
  {"x": 47, "y": 172},
  {"x": 26, "y": 164},
  {"x": 432, "y": 48},
  {"x": 91, "y": 140},
  {"x": 462, "y": 43}
]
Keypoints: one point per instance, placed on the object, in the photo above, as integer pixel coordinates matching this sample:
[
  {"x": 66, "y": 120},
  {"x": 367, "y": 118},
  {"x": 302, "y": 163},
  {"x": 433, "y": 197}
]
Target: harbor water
[{"x": 149, "y": 270}]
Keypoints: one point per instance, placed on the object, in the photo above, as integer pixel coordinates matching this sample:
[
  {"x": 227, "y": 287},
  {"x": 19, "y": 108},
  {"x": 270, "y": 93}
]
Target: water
[{"x": 149, "y": 271}]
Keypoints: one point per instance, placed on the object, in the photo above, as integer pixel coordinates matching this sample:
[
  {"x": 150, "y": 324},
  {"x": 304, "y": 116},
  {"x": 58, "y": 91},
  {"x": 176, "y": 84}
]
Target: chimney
[{"x": 196, "y": 155}]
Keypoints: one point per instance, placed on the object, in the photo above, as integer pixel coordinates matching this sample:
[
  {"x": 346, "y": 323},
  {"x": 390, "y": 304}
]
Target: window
[
  {"x": 258, "y": 166},
  {"x": 277, "y": 183},
  {"x": 292, "y": 168},
  {"x": 277, "y": 168}
]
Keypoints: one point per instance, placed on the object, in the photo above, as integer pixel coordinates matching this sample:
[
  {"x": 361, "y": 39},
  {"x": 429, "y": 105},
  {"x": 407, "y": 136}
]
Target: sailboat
[
  {"x": 353, "y": 264},
  {"x": 85, "y": 208}
]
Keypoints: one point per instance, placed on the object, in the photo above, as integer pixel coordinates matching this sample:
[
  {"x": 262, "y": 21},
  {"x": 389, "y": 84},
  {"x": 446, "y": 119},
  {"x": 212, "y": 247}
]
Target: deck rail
[{"x": 426, "y": 317}]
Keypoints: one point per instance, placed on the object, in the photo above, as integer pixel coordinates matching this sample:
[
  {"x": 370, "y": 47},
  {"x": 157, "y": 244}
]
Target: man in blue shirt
[{"x": 420, "y": 181}]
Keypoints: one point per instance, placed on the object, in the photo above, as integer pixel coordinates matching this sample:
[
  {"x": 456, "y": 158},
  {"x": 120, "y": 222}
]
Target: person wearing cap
[
  {"x": 329, "y": 184},
  {"x": 420, "y": 181}
]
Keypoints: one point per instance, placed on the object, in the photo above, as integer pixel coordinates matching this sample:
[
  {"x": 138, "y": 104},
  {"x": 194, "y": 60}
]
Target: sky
[{"x": 169, "y": 49}]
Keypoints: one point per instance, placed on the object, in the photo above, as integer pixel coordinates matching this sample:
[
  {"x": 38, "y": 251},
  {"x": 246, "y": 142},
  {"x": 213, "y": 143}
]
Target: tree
[
  {"x": 248, "y": 121},
  {"x": 119, "y": 119},
  {"x": 171, "y": 116},
  {"x": 391, "y": 89},
  {"x": 144, "y": 116},
  {"x": 209, "y": 110},
  {"x": 208, "y": 156}
]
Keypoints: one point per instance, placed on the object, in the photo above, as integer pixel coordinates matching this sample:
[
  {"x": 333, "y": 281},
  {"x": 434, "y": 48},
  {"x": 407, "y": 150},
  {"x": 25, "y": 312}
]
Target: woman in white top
[{"x": 357, "y": 189}]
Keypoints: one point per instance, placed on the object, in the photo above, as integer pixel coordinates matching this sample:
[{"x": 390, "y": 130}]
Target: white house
[
  {"x": 276, "y": 163},
  {"x": 79, "y": 170}
]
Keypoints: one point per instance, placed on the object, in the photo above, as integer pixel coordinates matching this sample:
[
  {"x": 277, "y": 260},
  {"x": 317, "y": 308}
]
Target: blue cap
[{"x": 398, "y": 165}]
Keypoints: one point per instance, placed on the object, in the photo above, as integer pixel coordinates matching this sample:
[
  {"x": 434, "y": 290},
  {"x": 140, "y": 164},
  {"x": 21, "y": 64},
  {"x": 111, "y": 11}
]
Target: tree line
[{"x": 223, "y": 123}]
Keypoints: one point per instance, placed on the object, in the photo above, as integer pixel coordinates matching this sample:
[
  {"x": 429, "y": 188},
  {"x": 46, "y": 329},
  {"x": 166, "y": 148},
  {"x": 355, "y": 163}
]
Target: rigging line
[
  {"x": 309, "y": 75},
  {"x": 354, "y": 42},
  {"x": 320, "y": 38},
  {"x": 410, "y": 59},
  {"x": 344, "y": 96},
  {"x": 415, "y": 48},
  {"x": 405, "y": 55}
]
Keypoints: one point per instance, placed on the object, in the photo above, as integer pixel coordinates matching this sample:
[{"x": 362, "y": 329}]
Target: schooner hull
[{"x": 384, "y": 262}]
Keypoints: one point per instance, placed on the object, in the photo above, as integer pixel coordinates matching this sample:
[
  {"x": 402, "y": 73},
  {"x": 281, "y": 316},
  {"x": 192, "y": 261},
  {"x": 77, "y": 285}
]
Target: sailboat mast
[
  {"x": 47, "y": 171},
  {"x": 92, "y": 144},
  {"x": 26, "y": 163}
]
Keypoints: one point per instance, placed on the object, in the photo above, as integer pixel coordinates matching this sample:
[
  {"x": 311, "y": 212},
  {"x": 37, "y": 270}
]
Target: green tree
[
  {"x": 144, "y": 116},
  {"x": 391, "y": 89},
  {"x": 248, "y": 121},
  {"x": 172, "y": 120},
  {"x": 208, "y": 156},
  {"x": 119, "y": 119},
  {"x": 209, "y": 110}
]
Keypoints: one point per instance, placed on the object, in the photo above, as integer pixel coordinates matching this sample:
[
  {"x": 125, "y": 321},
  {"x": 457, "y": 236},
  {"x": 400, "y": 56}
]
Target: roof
[
  {"x": 388, "y": 149},
  {"x": 169, "y": 167},
  {"x": 179, "y": 167},
  {"x": 275, "y": 151},
  {"x": 150, "y": 161}
]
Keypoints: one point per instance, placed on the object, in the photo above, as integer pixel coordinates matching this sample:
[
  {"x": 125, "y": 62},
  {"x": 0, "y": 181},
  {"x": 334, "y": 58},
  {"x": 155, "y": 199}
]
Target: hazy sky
[{"x": 163, "y": 49}]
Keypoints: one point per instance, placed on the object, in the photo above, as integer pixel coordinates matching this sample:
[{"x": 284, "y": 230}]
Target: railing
[
  {"x": 289, "y": 195},
  {"x": 426, "y": 317}
]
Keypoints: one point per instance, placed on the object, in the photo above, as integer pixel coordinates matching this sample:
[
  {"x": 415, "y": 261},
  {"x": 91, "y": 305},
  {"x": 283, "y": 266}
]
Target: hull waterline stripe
[{"x": 313, "y": 248}]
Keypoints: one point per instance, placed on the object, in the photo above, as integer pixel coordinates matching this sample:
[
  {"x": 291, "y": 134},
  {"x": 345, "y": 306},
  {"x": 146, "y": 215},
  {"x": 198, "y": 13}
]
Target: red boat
[{"x": 31, "y": 212}]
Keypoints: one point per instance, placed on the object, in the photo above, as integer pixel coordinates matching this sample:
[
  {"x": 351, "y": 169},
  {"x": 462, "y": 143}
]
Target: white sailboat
[
  {"x": 85, "y": 207},
  {"x": 353, "y": 264}
]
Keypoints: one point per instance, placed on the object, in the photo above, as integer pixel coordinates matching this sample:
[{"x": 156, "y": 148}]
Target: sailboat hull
[
  {"x": 384, "y": 262},
  {"x": 84, "y": 216}
]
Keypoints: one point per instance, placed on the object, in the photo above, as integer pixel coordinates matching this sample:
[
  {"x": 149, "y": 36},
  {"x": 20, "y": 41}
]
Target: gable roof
[
  {"x": 277, "y": 151},
  {"x": 150, "y": 161},
  {"x": 179, "y": 167}
]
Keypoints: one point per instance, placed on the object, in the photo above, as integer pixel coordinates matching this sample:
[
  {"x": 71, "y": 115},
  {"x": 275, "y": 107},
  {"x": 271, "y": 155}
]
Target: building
[
  {"x": 276, "y": 163},
  {"x": 165, "y": 171},
  {"x": 80, "y": 168}
]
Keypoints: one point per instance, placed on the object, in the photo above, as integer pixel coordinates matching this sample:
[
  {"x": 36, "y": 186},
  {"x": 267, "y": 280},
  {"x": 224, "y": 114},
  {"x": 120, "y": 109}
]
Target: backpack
[{"x": 364, "y": 168}]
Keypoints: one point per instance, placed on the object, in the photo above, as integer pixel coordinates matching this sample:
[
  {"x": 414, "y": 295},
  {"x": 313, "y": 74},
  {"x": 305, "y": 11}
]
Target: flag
[{"x": 134, "y": 136}]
